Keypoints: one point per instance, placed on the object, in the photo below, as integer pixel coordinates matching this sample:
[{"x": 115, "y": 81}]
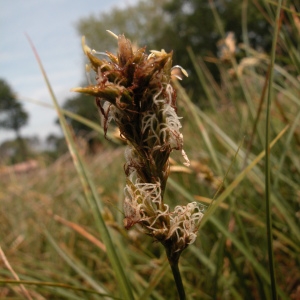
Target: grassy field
[{"x": 55, "y": 222}]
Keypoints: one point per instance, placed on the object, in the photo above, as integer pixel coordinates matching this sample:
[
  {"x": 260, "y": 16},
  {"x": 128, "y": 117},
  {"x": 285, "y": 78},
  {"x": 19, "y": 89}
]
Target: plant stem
[
  {"x": 268, "y": 167},
  {"x": 173, "y": 261},
  {"x": 178, "y": 281}
]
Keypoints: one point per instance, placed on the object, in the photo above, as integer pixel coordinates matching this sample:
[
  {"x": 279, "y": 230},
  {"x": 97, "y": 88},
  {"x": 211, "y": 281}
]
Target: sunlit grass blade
[
  {"x": 90, "y": 192},
  {"x": 23, "y": 290},
  {"x": 81, "y": 231},
  {"x": 232, "y": 146},
  {"x": 201, "y": 128},
  {"x": 238, "y": 180},
  {"x": 57, "y": 285},
  {"x": 74, "y": 265},
  {"x": 255, "y": 220},
  {"x": 96, "y": 127},
  {"x": 208, "y": 216}
]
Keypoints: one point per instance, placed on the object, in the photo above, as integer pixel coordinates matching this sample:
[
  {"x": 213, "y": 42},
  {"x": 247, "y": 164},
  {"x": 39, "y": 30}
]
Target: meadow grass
[{"x": 61, "y": 227}]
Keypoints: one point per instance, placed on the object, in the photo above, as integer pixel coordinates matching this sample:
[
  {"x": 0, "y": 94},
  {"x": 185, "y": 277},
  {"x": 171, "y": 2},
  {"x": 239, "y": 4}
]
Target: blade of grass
[
  {"x": 255, "y": 220},
  {"x": 215, "y": 204},
  {"x": 286, "y": 147},
  {"x": 201, "y": 127},
  {"x": 258, "y": 177},
  {"x": 268, "y": 162},
  {"x": 258, "y": 114},
  {"x": 229, "y": 144},
  {"x": 155, "y": 280},
  {"x": 56, "y": 284},
  {"x": 202, "y": 258},
  {"x": 90, "y": 191},
  {"x": 202, "y": 79},
  {"x": 238, "y": 179},
  {"x": 265, "y": 59},
  {"x": 15, "y": 275},
  {"x": 283, "y": 7},
  {"x": 59, "y": 290},
  {"x": 233, "y": 60},
  {"x": 256, "y": 265},
  {"x": 81, "y": 231},
  {"x": 78, "y": 118},
  {"x": 79, "y": 270}
]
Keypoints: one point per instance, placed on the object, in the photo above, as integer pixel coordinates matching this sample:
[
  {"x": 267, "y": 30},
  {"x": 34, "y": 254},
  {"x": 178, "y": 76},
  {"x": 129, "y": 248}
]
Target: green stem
[
  {"x": 268, "y": 167},
  {"x": 173, "y": 261},
  {"x": 178, "y": 281}
]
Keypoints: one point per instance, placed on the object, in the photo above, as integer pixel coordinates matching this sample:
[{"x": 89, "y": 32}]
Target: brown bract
[
  {"x": 134, "y": 90},
  {"x": 137, "y": 72}
]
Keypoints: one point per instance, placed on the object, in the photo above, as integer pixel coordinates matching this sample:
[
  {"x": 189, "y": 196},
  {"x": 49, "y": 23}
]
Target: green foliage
[
  {"x": 13, "y": 117},
  {"x": 10, "y": 152},
  {"x": 174, "y": 25},
  {"x": 141, "y": 22},
  {"x": 13, "y": 151},
  {"x": 12, "y": 114},
  {"x": 84, "y": 106},
  {"x": 56, "y": 146}
]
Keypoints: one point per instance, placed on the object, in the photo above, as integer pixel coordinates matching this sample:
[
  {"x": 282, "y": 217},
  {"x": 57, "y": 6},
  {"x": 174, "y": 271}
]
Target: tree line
[{"x": 174, "y": 25}]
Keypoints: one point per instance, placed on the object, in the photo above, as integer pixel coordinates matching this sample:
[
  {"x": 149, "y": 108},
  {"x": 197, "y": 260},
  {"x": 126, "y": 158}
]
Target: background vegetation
[{"x": 49, "y": 226}]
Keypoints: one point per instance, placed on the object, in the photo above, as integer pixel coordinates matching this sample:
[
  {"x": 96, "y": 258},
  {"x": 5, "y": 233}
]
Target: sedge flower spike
[{"x": 135, "y": 91}]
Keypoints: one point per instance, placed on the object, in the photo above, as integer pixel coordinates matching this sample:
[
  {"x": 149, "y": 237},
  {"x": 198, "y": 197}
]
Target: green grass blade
[
  {"x": 237, "y": 180},
  {"x": 203, "y": 259},
  {"x": 267, "y": 161},
  {"x": 258, "y": 267},
  {"x": 286, "y": 147},
  {"x": 78, "y": 118},
  {"x": 202, "y": 79},
  {"x": 90, "y": 192},
  {"x": 201, "y": 128},
  {"x": 155, "y": 280},
  {"x": 233, "y": 61},
  {"x": 73, "y": 264},
  {"x": 55, "y": 285}
]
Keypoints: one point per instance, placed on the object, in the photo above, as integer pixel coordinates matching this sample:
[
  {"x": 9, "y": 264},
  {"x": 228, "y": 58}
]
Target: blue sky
[{"x": 51, "y": 26}]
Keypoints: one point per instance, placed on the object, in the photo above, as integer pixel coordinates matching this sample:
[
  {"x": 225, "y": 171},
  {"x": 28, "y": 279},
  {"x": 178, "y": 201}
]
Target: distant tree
[
  {"x": 141, "y": 23},
  {"x": 177, "y": 24},
  {"x": 12, "y": 114},
  {"x": 194, "y": 24},
  {"x": 56, "y": 146},
  {"x": 84, "y": 106}
]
